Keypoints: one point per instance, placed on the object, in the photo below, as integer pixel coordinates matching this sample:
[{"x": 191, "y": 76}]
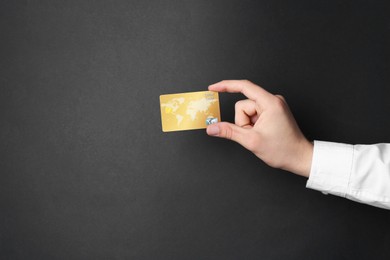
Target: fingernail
[{"x": 212, "y": 130}]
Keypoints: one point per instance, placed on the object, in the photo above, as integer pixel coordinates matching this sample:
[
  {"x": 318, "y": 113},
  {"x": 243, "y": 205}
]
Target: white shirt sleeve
[{"x": 357, "y": 172}]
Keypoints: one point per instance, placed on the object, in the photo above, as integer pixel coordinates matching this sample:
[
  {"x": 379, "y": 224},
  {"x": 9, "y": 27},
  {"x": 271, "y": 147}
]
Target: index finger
[{"x": 249, "y": 89}]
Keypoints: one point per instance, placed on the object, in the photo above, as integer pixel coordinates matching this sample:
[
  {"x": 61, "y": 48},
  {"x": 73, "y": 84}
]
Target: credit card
[{"x": 188, "y": 111}]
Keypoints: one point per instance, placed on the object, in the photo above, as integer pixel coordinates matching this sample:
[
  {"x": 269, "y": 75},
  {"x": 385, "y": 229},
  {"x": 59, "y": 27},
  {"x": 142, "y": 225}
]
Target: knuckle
[
  {"x": 280, "y": 101},
  {"x": 228, "y": 133},
  {"x": 238, "y": 105},
  {"x": 246, "y": 81},
  {"x": 281, "y": 97}
]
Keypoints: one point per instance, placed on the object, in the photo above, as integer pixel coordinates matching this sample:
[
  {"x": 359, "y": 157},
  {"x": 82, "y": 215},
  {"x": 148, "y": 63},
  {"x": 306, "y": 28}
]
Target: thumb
[{"x": 228, "y": 131}]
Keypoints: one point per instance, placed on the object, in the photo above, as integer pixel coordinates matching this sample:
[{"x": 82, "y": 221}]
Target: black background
[{"x": 87, "y": 173}]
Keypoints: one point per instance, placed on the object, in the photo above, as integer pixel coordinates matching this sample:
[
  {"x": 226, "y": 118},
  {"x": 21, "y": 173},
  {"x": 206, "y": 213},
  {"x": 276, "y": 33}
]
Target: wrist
[{"x": 301, "y": 162}]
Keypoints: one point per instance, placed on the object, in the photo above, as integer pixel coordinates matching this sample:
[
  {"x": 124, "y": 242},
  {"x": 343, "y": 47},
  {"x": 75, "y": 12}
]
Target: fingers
[
  {"x": 245, "y": 111},
  {"x": 230, "y": 131},
  {"x": 246, "y": 87}
]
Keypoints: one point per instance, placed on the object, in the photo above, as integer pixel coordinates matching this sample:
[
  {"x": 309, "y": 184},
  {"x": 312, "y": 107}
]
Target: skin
[{"x": 265, "y": 126}]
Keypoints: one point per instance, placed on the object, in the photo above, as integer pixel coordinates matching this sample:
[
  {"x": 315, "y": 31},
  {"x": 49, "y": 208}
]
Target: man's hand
[{"x": 265, "y": 126}]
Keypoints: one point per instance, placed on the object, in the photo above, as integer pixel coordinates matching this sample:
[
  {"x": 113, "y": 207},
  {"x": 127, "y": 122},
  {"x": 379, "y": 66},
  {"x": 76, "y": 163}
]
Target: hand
[{"x": 265, "y": 126}]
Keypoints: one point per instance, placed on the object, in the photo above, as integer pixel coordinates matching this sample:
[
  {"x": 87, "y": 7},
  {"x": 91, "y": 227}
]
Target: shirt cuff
[{"x": 331, "y": 168}]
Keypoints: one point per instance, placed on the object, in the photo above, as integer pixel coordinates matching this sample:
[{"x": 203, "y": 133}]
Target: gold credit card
[{"x": 187, "y": 111}]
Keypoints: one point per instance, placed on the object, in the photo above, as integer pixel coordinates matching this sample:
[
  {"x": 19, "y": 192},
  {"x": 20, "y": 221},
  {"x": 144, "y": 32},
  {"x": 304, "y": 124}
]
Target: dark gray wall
[{"x": 86, "y": 172}]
